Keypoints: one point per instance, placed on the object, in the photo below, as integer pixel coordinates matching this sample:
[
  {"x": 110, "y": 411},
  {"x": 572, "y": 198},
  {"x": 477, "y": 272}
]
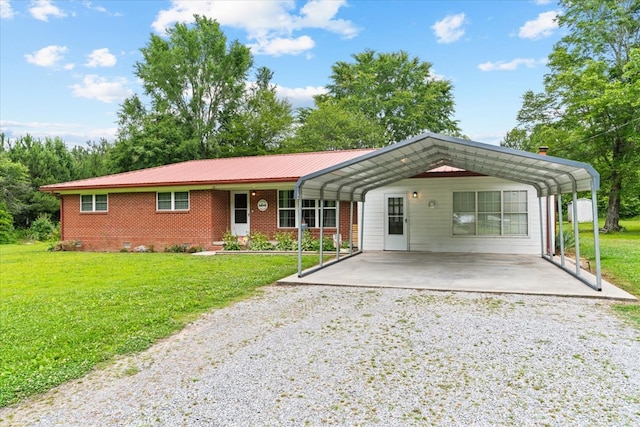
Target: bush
[
  {"x": 177, "y": 249},
  {"x": 6, "y": 225},
  {"x": 43, "y": 228},
  {"x": 231, "y": 242},
  {"x": 259, "y": 242},
  {"x": 285, "y": 241},
  {"x": 569, "y": 240}
]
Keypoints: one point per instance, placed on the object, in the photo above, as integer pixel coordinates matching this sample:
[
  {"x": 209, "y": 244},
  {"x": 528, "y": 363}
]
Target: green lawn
[
  {"x": 620, "y": 259},
  {"x": 61, "y": 313}
]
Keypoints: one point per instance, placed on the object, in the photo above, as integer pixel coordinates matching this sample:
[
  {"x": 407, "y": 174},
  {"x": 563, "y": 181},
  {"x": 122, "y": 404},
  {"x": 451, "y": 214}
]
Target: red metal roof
[{"x": 271, "y": 168}]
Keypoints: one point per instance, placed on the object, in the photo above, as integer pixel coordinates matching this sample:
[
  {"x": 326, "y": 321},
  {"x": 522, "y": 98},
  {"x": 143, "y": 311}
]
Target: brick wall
[{"x": 132, "y": 218}]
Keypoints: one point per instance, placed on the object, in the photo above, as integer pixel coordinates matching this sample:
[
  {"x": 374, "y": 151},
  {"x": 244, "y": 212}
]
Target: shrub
[
  {"x": 43, "y": 228},
  {"x": 569, "y": 240},
  {"x": 285, "y": 241},
  {"x": 308, "y": 242},
  {"x": 260, "y": 242},
  {"x": 231, "y": 242},
  {"x": 6, "y": 225},
  {"x": 175, "y": 248}
]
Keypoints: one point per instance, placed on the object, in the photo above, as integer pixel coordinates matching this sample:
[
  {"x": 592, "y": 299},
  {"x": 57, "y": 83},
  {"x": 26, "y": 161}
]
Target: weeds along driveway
[{"x": 313, "y": 355}]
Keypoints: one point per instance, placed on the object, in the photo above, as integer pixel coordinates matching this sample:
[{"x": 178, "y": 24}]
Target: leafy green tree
[
  {"x": 330, "y": 127},
  {"x": 194, "y": 79},
  {"x": 92, "y": 160},
  {"x": 6, "y": 224},
  {"x": 590, "y": 108},
  {"x": 147, "y": 139},
  {"x": 15, "y": 188},
  {"x": 399, "y": 93},
  {"x": 261, "y": 122}
]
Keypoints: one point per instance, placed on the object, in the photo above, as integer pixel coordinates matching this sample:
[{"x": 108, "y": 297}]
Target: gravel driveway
[{"x": 314, "y": 355}]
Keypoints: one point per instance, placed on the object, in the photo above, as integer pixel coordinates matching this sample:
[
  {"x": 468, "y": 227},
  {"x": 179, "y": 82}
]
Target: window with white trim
[
  {"x": 490, "y": 213},
  {"x": 310, "y": 211},
  {"x": 172, "y": 201},
  {"x": 94, "y": 202}
]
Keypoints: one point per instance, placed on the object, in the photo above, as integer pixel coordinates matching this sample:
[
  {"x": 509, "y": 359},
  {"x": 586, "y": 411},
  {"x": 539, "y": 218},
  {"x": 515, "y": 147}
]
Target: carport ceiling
[{"x": 352, "y": 179}]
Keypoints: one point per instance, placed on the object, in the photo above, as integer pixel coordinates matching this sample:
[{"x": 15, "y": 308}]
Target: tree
[
  {"x": 397, "y": 92},
  {"x": 15, "y": 187},
  {"x": 147, "y": 139},
  {"x": 590, "y": 108},
  {"x": 194, "y": 79},
  {"x": 261, "y": 122},
  {"x": 330, "y": 127}
]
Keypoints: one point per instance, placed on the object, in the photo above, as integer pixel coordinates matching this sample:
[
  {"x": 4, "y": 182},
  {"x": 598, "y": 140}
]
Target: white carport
[{"x": 550, "y": 176}]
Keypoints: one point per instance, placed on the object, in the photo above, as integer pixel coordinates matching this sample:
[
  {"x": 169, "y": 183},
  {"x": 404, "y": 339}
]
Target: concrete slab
[{"x": 518, "y": 274}]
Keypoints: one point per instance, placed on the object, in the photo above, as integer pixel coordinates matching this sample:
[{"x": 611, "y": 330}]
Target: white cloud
[
  {"x": 70, "y": 133},
  {"x": 281, "y": 46},
  {"x": 42, "y": 9},
  {"x": 102, "y": 89},
  {"x": 47, "y": 56},
  {"x": 270, "y": 24},
  {"x": 300, "y": 97},
  {"x": 6, "y": 12},
  {"x": 511, "y": 65},
  {"x": 542, "y": 2},
  {"x": 449, "y": 29},
  {"x": 101, "y": 58},
  {"x": 541, "y": 27}
]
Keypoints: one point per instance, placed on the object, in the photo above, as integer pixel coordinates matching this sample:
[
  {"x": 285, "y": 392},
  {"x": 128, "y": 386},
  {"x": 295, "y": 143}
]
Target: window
[
  {"x": 93, "y": 203},
  {"x": 173, "y": 201},
  {"x": 286, "y": 209},
  {"x": 490, "y": 213},
  {"x": 310, "y": 211}
]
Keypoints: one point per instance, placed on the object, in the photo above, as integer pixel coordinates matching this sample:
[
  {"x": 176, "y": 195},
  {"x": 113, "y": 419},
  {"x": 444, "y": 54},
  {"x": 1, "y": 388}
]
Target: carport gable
[{"x": 350, "y": 180}]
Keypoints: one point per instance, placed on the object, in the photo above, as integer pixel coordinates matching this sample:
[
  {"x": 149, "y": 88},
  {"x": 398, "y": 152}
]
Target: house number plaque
[{"x": 262, "y": 205}]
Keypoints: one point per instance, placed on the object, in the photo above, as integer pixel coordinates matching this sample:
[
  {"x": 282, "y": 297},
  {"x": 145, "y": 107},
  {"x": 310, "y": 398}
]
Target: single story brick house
[
  {"x": 428, "y": 193},
  {"x": 196, "y": 202}
]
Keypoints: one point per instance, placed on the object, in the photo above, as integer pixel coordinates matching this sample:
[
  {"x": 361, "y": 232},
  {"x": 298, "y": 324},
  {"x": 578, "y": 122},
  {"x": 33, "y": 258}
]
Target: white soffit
[{"x": 351, "y": 180}]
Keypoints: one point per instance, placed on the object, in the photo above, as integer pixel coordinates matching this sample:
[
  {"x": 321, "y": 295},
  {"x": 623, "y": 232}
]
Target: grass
[
  {"x": 63, "y": 313},
  {"x": 620, "y": 260}
]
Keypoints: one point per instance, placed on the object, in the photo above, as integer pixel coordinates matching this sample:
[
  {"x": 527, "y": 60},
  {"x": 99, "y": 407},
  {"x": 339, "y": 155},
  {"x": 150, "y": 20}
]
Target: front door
[
  {"x": 240, "y": 214},
  {"x": 395, "y": 224}
]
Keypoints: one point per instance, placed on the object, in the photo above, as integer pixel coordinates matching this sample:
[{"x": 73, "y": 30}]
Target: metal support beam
[
  {"x": 576, "y": 233},
  {"x": 596, "y": 237}
]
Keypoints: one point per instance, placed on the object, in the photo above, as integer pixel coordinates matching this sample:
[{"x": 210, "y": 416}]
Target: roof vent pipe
[{"x": 542, "y": 150}]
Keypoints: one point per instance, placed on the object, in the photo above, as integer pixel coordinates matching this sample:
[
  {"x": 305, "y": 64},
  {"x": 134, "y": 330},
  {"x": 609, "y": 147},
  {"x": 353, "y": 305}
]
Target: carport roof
[{"x": 352, "y": 179}]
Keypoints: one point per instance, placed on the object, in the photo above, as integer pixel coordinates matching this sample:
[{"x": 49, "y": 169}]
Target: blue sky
[{"x": 66, "y": 66}]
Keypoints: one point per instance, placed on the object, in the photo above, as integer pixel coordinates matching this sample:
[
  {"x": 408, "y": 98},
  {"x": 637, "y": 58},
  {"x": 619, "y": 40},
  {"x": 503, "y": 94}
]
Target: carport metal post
[
  {"x": 560, "y": 228},
  {"x": 576, "y": 234},
  {"x": 320, "y": 262},
  {"x": 338, "y": 239},
  {"x": 351, "y": 226},
  {"x": 596, "y": 237},
  {"x": 299, "y": 209},
  {"x": 541, "y": 227}
]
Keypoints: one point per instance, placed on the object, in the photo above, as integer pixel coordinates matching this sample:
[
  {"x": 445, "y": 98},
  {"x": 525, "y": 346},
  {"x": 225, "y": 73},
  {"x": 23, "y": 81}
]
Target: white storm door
[
  {"x": 395, "y": 222},
  {"x": 240, "y": 214}
]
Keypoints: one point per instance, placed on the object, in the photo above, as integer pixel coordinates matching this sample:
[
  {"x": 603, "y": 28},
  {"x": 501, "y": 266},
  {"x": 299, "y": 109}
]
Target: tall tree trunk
[{"x": 611, "y": 223}]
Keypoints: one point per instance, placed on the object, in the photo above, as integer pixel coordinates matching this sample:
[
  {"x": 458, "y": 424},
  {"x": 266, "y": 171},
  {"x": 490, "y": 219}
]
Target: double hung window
[
  {"x": 94, "y": 202},
  {"x": 173, "y": 201}
]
